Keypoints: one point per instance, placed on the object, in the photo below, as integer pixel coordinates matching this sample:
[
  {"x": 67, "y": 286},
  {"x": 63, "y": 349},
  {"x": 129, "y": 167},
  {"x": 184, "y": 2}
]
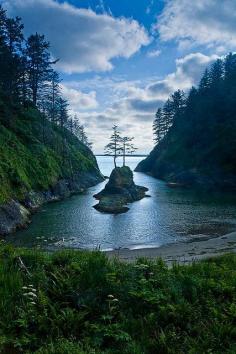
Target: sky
[{"x": 121, "y": 59}]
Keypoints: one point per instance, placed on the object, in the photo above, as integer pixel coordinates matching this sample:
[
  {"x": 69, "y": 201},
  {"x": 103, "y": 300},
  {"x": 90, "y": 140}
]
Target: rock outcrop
[
  {"x": 119, "y": 191},
  {"x": 13, "y": 216},
  {"x": 16, "y": 215}
]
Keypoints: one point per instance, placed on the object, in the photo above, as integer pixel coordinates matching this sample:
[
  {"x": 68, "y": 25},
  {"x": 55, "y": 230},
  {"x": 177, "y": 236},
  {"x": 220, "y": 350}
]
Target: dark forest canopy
[
  {"x": 28, "y": 78},
  {"x": 40, "y": 143},
  {"x": 196, "y": 133}
]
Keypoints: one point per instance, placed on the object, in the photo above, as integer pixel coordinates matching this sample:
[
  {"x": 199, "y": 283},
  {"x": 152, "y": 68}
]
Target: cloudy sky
[{"x": 120, "y": 59}]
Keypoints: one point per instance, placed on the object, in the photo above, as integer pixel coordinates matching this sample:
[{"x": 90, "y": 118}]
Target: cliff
[{"x": 39, "y": 163}]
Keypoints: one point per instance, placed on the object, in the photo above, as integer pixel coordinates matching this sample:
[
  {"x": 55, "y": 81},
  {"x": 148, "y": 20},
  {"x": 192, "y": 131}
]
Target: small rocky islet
[{"x": 119, "y": 191}]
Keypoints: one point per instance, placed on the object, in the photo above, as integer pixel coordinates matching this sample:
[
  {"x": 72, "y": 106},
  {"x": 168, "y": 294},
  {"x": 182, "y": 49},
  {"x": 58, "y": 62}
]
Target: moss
[{"x": 34, "y": 155}]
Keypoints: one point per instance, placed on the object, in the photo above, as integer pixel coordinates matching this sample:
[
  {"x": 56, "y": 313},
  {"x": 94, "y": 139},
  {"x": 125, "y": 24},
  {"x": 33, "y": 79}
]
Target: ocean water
[{"x": 169, "y": 215}]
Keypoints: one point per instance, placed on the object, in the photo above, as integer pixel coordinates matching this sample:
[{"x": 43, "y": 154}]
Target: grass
[
  {"x": 74, "y": 302},
  {"x": 34, "y": 155}
]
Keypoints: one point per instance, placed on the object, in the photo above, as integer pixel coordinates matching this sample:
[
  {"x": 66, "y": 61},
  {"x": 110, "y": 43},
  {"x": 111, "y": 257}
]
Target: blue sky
[{"x": 121, "y": 59}]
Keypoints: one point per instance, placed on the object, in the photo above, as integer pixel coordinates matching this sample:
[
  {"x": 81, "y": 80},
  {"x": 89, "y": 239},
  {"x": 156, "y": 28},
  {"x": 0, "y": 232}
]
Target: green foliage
[
  {"x": 81, "y": 302},
  {"x": 200, "y": 144},
  {"x": 34, "y": 155}
]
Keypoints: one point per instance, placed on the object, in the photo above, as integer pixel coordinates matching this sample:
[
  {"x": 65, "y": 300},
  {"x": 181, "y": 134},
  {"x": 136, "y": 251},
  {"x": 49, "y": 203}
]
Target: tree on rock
[
  {"x": 127, "y": 147},
  {"x": 114, "y": 148}
]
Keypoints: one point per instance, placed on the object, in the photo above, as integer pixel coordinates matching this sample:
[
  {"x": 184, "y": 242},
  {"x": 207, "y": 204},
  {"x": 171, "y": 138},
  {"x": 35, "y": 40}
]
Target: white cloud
[
  {"x": 83, "y": 40},
  {"x": 134, "y": 105},
  {"x": 79, "y": 101},
  {"x": 189, "y": 70},
  {"x": 153, "y": 53},
  {"x": 202, "y": 22}
]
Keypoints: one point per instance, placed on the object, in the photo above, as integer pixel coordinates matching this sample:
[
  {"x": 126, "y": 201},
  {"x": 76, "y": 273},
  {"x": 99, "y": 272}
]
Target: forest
[
  {"x": 195, "y": 132},
  {"x": 40, "y": 142},
  {"x": 28, "y": 79}
]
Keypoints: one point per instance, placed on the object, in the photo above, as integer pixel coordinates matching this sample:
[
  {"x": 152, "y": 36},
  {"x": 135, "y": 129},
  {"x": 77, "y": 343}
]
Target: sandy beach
[{"x": 197, "y": 248}]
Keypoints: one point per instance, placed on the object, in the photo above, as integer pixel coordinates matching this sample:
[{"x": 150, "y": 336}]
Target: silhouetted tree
[
  {"x": 158, "y": 126},
  {"x": 39, "y": 65},
  {"x": 127, "y": 147},
  {"x": 79, "y": 131},
  {"x": 54, "y": 95},
  {"x": 204, "y": 82},
  {"x": 216, "y": 73},
  {"x": 114, "y": 148}
]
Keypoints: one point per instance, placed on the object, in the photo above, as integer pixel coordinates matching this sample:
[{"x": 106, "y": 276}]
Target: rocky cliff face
[
  {"x": 15, "y": 215},
  {"x": 119, "y": 191}
]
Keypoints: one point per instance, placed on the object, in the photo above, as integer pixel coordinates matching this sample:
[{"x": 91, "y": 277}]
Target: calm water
[{"x": 169, "y": 215}]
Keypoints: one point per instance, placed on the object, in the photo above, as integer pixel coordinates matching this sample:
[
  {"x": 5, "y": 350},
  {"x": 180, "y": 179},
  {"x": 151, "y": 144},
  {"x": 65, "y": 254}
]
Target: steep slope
[
  {"x": 195, "y": 155},
  {"x": 200, "y": 147},
  {"x": 39, "y": 162}
]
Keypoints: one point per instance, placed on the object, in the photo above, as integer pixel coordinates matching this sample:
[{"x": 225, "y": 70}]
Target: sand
[{"x": 198, "y": 248}]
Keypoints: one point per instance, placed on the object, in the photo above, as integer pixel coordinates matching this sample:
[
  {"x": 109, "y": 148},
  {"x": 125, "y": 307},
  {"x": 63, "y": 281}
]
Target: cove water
[{"x": 170, "y": 215}]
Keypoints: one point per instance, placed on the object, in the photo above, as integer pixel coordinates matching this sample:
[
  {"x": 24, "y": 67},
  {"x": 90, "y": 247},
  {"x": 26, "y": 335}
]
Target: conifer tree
[
  {"x": 204, "y": 82},
  {"x": 158, "y": 126},
  {"x": 127, "y": 147},
  {"x": 216, "y": 73},
  {"x": 39, "y": 65},
  {"x": 114, "y": 148}
]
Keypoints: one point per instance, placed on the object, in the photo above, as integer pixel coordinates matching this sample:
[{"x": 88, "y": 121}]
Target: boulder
[
  {"x": 13, "y": 216},
  {"x": 119, "y": 191}
]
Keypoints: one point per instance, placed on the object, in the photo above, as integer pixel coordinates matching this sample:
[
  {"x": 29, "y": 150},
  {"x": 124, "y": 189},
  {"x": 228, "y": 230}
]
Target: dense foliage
[
  {"x": 197, "y": 143},
  {"x": 75, "y": 302},
  {"x": 36, "y": 153}
]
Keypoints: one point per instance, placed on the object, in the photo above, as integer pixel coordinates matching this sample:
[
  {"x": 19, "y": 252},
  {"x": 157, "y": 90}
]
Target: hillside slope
[
  {"x": 39, "y": 162},
  {"x": 200, "y": 147}
]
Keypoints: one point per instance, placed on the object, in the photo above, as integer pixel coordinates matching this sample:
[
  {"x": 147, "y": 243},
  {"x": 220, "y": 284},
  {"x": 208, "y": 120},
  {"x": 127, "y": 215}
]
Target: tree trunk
[{"x": 124, "y": 152}]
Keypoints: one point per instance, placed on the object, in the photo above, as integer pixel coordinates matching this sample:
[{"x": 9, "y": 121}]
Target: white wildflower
[{"x": 32, "y": 294}]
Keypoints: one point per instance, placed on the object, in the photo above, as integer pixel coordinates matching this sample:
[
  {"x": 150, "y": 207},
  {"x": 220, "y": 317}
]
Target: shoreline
[
  {"x": 184, "y": 252},
  {"x": 16, "y": 214}
]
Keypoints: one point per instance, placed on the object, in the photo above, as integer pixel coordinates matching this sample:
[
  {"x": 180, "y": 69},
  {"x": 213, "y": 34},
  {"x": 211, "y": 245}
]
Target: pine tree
[
  {"x": 230, "y": 67},
  {"x": 158, "y": 126},
  {"x": 216, "y": 73},
  {"x": 204, "y": 84},
  {"x": 79, "y": 131},
  {"x": 14, "y": 35},
  {"x": 63, "y": 115},
  {"x": 39, "y": 65},
  {"x": 178, "y": 101},
  {"x": 127, "y": 147},
  {"x": 54, "y": 95},
  {"x": 168, "y": 114},
  {"x": 114, "y": 148}
]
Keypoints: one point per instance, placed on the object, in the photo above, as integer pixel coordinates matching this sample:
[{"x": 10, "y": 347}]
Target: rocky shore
[
  {"x": 119, "y": 191},
  {"x": 16, "y": 214}
]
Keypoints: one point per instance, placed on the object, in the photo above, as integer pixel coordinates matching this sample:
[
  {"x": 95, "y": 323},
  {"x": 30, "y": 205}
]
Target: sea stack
[{"x": 119, "y": 191}]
